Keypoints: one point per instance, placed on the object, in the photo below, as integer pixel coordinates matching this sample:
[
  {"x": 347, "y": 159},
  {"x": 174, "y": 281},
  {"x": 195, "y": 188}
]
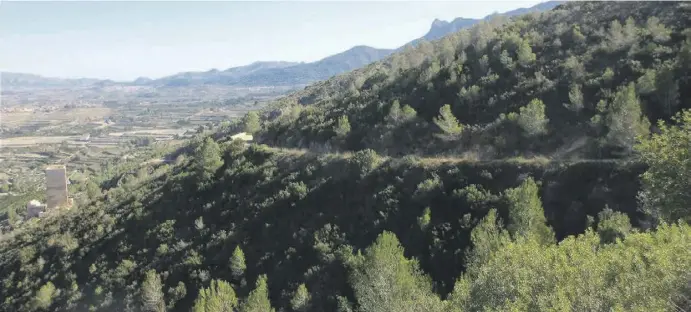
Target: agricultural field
[{"x": 33, "y": 140}]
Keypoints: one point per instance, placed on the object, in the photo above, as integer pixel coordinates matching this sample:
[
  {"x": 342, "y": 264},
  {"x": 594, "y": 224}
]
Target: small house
[{"x": 244, "y": 136}]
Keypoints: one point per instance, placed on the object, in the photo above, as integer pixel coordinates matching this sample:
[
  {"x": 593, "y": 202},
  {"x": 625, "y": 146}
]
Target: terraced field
[
  {"x": 43, "y": 118},
  {"x": 33, "y": 140}
]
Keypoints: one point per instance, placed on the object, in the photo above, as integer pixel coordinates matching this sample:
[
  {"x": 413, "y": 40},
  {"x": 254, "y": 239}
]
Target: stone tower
[{"x": 56, "y": 186}]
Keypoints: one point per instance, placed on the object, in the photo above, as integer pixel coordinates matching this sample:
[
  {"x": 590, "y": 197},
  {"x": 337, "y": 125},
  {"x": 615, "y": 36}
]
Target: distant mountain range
[
  {"x": 31, "y": 81},
  {"x": 266, "y": 73},
  {"x": 279, "y": 73}
]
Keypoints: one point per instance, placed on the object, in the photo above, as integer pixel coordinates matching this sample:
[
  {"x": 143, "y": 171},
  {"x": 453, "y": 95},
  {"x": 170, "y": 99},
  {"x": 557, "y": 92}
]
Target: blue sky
[{"x": 126, "y": 39}]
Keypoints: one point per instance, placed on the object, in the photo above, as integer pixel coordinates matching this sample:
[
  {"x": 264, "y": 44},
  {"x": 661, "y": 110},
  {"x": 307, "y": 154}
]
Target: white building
[{"x": 242, "y": 136}]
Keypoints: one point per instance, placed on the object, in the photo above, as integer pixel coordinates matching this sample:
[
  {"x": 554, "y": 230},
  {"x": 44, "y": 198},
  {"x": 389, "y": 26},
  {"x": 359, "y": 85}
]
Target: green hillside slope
[
  {"x": 289, "y": 213},
  {"x": 557, "y": 84},
  {"x": 295, "y": 217},
  {"x": 521, "y": 195}
]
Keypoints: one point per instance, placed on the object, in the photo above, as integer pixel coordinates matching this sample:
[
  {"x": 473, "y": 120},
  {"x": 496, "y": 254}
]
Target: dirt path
[{"x": 443, "y": 159}]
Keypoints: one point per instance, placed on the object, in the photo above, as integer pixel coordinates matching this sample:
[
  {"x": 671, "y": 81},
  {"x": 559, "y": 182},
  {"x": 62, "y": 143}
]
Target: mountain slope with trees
[
  {"x": 229, "y": 227},
  {"x": 580, "y": 81}
]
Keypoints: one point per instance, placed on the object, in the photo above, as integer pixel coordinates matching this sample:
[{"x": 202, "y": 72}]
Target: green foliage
[
  {"x": 301, "y": 299},
  {"x": 424, "y": 220},
  {"x": 295, "y": 240},
  {"x": 237, "y": 263},
  {"x": 342, "y": 127},
  {"x": 526, "y": 216},
  {"x": 152, "y": 293},
  {"x": 531, "y": 118},
  {"x": 506, "y": 60},
  {"x": 44, "y": 297},
  {"x": 486, "y": 239},
  {"x": 219, "y": 297},
  {"x": 620, "y": 37},
  {"x": 408, "y": 113},
  {"x": 398, "y": 115},
  {"x": 576, "y": 35},
  {"x": 448, "y": 123},
  {"x": 626, "y": 122},
  {"x": 612, "y": 225},
  {"x": 575, "y": 98},
  {"x": 251, "y": 122},
  {"x": 646, "y": 83},
  {"x": 429, "y": 185},
  {"x": 365, "y": 161},
  {"x": 176, "y": 294},
  {"x": 258, "y": 299},
  {"x": 207, "y": 158},
  {"x": 656, "y": 30},
  {"x": 640, "y": 273},
  {"x": 384, "y": 280},
  {"x": 665, "y": 192},
  {"x": 92, "y": 190},
  {"x": 395, "y": 112},
  {"x": 526, "y": 56}
]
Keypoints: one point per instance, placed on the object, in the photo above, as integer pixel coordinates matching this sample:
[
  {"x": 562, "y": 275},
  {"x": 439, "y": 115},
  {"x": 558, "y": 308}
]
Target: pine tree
[
  {"x": 526, "y": 56},
  {"x": 207, "y": 158},
  {"x": 152, "y": 293},
  {"x": 657, "y": 30},
  {"x": 237, "y": 263},
  {"x": 532, "y": 118},
  {"x": 486, "y": 238},
  {"x": 385, "y": 281},
  {"x": 258, "y": 299},
  {"x": 251, "y": 122},
  {"x": 342, "y": 127},
  {"x": 576, "y": 35},
  {"x": 301, "y": 299},
  {"x": 219, "y": 297},
  {"x": 526, "y": 215},
  {"x": 424, "y": 220},
  {"x": 506, "y": 60},
  {"x": 448, "y": 123},
  {"x": 575, "y": 98},
  {"x": 395, "y": 112},
  {"x": 625, "y": 119}
]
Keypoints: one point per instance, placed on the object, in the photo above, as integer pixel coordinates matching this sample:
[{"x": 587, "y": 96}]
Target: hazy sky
[{"x": 124, "y": 40}]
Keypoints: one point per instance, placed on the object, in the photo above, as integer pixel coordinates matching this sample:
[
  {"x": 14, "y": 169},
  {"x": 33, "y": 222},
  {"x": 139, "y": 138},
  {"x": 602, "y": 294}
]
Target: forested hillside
[
  {"x": 227, "y": 217},
  {"x": 535, "y": 164},
  {"x": 581, "y": 81}
]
